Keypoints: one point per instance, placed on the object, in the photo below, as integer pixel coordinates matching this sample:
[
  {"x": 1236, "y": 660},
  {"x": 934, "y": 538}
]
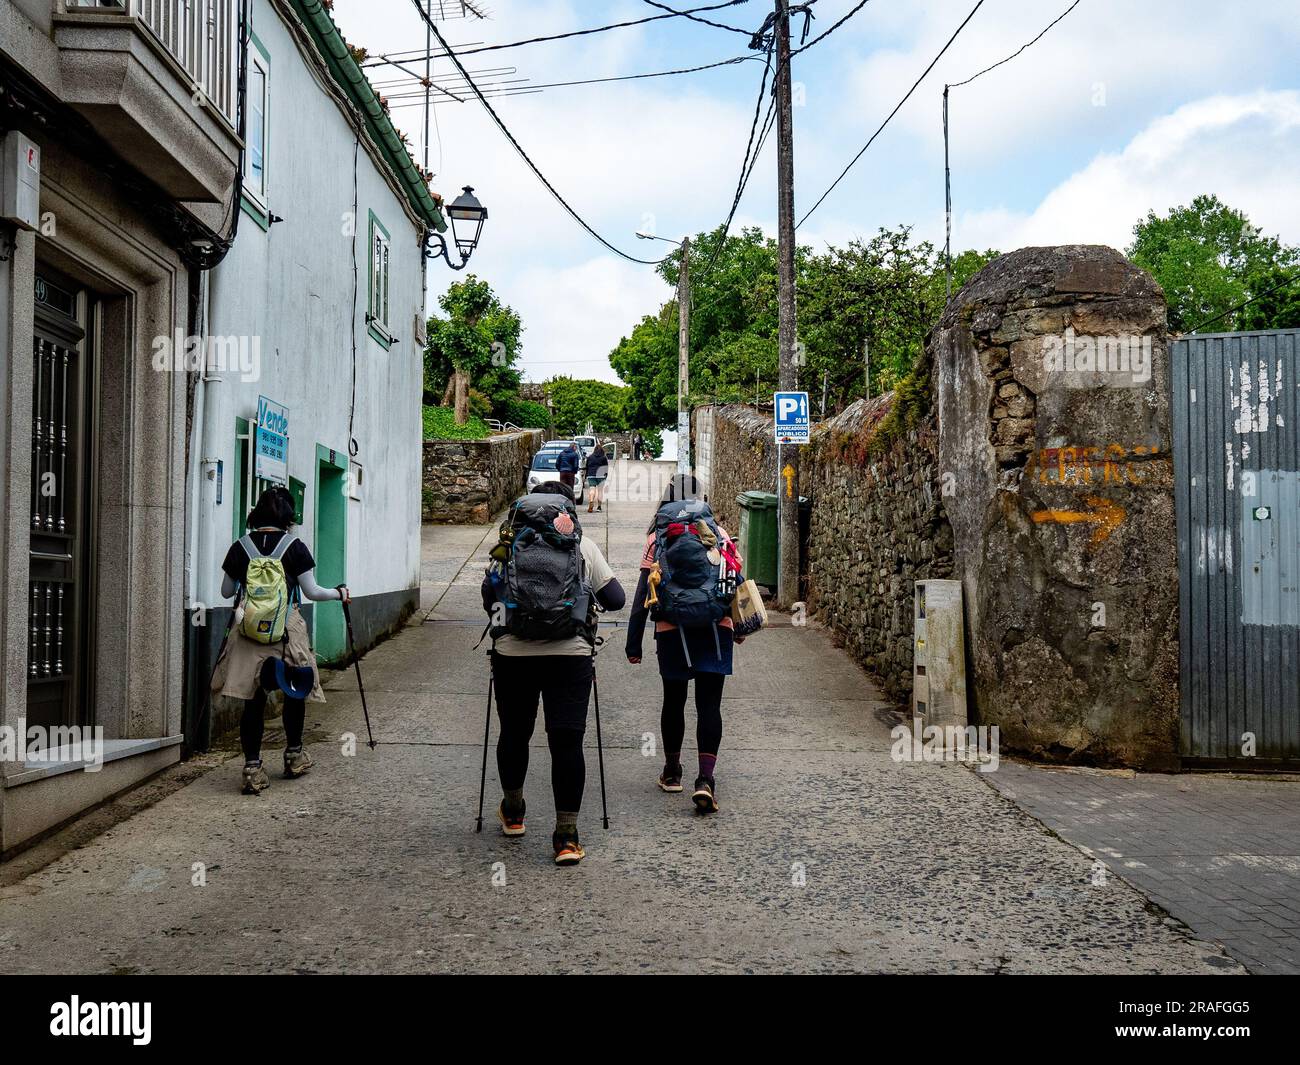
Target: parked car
[
  {"x": 544, "y": 468},
  {"x": 587, "y": 444}
]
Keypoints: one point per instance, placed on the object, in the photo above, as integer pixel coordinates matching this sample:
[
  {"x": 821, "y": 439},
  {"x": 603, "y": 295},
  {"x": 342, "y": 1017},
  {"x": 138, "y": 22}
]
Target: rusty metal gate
[{"x": 1236, "y": 437}]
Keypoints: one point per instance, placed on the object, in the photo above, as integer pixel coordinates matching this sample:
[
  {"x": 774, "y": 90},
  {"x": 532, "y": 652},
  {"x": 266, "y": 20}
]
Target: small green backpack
[{"x": 266, "y": 592}]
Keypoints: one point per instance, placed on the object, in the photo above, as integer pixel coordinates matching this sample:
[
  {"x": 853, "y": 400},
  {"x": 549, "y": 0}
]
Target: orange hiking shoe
[
  {"x": 568, "y": 851},
  {"x": 511, "y": 824}
]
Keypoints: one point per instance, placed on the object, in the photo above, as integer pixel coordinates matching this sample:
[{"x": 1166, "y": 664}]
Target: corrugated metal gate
[{"x": 1236, "y": 436}]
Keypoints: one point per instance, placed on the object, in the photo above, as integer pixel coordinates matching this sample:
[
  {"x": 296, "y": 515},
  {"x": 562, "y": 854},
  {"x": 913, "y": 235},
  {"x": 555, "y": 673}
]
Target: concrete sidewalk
[{"x": 827, "y": 856}]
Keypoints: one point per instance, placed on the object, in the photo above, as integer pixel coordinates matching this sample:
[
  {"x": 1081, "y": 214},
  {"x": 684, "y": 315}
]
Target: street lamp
[
  {"x": 467, "y": 217},
  {"x": 683, "y": 349}
]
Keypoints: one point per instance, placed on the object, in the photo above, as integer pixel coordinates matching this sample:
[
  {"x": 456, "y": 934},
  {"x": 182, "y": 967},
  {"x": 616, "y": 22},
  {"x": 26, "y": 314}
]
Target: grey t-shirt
[{"x": 599, "y": 574}]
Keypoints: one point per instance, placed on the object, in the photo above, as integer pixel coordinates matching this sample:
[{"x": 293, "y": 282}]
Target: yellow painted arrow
[
  {"x": 1106, "y": 515},
  {"x": 788, "y": 474}
]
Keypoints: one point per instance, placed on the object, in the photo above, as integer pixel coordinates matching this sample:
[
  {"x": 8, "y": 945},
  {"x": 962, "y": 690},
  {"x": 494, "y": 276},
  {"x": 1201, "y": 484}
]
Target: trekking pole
[
  {"x": 487, "y": 728},
  {"x": 356, "y": 664},
  {"x": 600, "y": 752}
]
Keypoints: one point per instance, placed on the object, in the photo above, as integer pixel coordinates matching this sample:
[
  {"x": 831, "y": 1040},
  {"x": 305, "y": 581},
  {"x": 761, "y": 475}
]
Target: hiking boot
[
  {"x": 568, "y": 851},
  {"x": 671, "y": 778},
  {"x": 296, "y": 762},
  {"x": 255, "y": 779},
  {"x": 512, "y": 824},
  {"x": 705, "y": 800}
]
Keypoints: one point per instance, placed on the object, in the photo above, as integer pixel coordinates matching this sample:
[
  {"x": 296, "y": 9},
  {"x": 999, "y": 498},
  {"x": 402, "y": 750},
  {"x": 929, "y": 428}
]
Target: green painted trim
[
  {"x": 379, "y": 337},
  {"x": 329, "y": 42},
  {"x": 257, "y": 43},
  {"x": 262, "y": 219},
  {"x": 238, "y": 503},
  {"x": 327, "y": 455}
]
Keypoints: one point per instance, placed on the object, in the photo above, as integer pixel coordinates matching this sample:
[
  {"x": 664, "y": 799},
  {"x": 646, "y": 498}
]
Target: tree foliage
[
  {"x": 480, "y": 337},
  {"x": 1209, "y": 258},
  {"x": 576, "y": 403}
]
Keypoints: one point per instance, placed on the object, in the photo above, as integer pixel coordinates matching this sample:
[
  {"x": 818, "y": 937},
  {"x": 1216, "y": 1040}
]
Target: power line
[
  {"x": 822, "y": 36},
  {"x": 694, "y": 18},
  {"x": 892, "y": 113},
  {"x": 947, "y": 172},
  {"x": 957, "y": 84},
  {"x": 519, "y": 148},
  {"x": 746, "y": 164},
  {"x": 1246, "y": 303}
]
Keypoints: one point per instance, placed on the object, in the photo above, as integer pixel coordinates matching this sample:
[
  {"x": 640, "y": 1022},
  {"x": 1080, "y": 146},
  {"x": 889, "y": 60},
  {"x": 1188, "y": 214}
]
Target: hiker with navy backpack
[
  {"x": 690, "y": 570},
  {"x": 266, "y": 646},
  {"x": 542, "y": 591}
]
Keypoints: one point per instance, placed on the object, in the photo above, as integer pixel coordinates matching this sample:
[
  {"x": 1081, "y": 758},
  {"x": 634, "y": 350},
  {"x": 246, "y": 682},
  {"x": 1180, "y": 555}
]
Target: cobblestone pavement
[
  {"x": 826, "y": 855},
  {"x": 1220, "y": 853}
]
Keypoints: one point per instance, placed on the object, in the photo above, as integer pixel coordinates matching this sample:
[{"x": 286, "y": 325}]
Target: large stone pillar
[{"x": 1053, "y": 390}]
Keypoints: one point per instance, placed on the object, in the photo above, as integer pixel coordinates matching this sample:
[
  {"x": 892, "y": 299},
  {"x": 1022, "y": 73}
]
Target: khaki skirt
[{"x": 240, "y": 667}]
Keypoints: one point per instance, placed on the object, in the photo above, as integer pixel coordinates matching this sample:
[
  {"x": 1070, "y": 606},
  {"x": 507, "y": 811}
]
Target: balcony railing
[{"x": 201, "y": 35}]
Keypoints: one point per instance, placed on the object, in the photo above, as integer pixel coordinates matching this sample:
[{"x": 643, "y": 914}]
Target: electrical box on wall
[
  {"x": 356, "y": 475},
  {"x": 20, "y": 181},
  {"x": 938, "y": 654}
]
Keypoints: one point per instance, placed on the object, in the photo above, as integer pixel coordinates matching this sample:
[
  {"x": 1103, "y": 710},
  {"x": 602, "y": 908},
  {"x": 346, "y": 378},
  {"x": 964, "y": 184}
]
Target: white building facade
[{"x": 316, "y": 315}]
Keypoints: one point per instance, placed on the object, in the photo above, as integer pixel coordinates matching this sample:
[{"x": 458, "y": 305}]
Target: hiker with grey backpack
[
  {"x": 542, "y": 591},
  {"x": 266, "y": 648},
  {"x": 690, "y": 571}
]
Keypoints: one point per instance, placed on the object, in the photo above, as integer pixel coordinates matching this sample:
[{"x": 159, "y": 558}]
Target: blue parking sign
[{"x": 792, "y": 418}]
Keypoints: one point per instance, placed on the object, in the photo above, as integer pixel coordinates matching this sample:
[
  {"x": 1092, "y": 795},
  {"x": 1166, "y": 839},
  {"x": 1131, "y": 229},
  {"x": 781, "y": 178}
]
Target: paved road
[{"x": 826, "y": 856}]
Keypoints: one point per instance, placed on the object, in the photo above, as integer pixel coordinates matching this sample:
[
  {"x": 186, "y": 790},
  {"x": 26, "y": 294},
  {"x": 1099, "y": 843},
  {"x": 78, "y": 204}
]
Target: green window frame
[
  {"x": 254, "y": 200},
  {"x": 378, "y": 322}
]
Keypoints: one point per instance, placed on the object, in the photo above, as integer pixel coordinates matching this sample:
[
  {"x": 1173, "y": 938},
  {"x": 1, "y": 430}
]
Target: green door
[{"x": 331, "y": 550}]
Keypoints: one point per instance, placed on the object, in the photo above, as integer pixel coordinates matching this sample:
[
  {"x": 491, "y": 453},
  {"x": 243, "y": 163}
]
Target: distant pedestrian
[
  {"x": 689, "y": 572},
  {"x": 597, "y": 473},
  {"x": 636, "y": 447},
  {"x": 269, "y": 570},
  {"x": 567, "y": 465},
  {"x": 542, "y": 602}
]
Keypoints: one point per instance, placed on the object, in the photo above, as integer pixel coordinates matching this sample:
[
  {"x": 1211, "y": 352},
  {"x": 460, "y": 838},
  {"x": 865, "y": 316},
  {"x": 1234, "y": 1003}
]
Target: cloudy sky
[{"x": 1125, "y": 106}]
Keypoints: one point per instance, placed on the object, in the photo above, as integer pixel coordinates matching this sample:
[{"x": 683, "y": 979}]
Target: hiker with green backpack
[
  {"x": 266, "y": 646},
  {"x": 690, "y": 570},
  {"x": 541, "y": 592}
]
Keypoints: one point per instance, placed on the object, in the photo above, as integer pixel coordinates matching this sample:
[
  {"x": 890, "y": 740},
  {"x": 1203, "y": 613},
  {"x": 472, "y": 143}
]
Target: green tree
[
  {"x": 1209, "y": 258},
  {"x": 577, "y": 403},
  {"x": 474, "y": 347}
]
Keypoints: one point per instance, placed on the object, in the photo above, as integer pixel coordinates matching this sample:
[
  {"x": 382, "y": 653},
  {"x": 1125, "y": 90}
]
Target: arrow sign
[
  {"x": 788, "y": 474},
  {"x": 1105, "y": 515}
]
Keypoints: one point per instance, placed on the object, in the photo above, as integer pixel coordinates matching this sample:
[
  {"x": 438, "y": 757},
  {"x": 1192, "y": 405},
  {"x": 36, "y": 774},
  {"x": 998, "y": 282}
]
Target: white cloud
[{"x": 1244, "y": 149}]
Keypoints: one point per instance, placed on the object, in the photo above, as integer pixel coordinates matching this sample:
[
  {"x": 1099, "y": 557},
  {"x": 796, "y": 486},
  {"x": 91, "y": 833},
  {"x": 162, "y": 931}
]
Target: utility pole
[
  {"x": 787, "y": 588},
  {"x": 684, "y": 359}
]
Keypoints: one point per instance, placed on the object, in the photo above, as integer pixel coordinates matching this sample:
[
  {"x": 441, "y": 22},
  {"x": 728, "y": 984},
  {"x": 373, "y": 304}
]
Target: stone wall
[
  {"x": 876, "y": 523},
  {"x": 468, "y": 481},
  {"x": 1053, "y": 399}
]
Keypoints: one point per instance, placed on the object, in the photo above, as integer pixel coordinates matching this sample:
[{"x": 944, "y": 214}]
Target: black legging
[
  {"x": 708, "y": 713},
  {"x": 253, "y": 721},
  {"x": 562, "y": 683}
]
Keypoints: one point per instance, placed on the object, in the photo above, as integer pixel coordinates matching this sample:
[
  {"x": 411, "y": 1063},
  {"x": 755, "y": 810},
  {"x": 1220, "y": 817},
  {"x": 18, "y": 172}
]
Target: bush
[
  {"x": 479, "y": 404},
  {"x": 440, "y": 424},
  {"x": 526, "y": 413}
]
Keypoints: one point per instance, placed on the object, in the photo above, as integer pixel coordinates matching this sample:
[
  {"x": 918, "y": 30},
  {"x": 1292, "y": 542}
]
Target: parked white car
[{"x": 544, "y": 468}]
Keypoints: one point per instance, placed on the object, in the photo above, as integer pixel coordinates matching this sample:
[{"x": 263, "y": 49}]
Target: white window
[{"x": 258, "y": 129}]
